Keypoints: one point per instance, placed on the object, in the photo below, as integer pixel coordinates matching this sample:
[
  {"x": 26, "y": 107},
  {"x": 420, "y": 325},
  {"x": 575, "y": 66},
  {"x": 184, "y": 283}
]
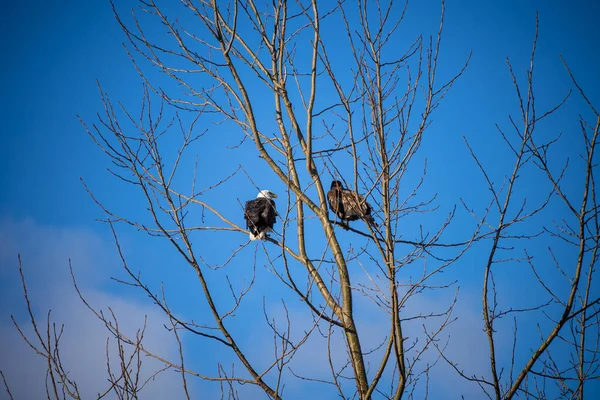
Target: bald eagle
[
  {"x": 348, "y": 205},
  {"x": 260, "y": 215}
]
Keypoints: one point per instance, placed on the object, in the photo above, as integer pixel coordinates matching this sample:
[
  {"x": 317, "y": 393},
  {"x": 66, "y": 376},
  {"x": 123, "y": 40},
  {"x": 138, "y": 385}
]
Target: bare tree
[
  {"x": 382, "y": 109},
  {"x": 276, "y": 79},
  {"x": 566, "y": 353}
]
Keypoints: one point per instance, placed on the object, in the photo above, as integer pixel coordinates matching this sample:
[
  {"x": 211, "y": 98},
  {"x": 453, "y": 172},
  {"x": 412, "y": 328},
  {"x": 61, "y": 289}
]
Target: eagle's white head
[{"x": 266, "y": 194}]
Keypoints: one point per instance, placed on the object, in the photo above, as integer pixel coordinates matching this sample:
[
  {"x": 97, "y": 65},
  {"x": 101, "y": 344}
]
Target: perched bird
[
  {"x": 348, "y": 205},
  {"x": 260, "y": 214}
]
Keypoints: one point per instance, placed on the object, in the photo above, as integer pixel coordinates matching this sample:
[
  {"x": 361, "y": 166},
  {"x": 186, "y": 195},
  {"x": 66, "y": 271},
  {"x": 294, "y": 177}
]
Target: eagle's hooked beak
[{"x": 273, "y": 195}]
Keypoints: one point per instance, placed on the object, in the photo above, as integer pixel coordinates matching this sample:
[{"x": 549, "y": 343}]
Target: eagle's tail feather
[
  {"x": 369, "y": 220},
  {"x": 258, "y": 235}
]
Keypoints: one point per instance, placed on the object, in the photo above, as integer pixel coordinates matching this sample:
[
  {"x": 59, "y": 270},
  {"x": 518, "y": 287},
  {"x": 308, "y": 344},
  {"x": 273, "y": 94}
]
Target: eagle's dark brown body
[{"x": 348, "y": 205}]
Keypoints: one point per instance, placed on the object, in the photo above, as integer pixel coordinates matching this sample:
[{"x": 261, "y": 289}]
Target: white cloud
[{"x": 45, "y": 253}]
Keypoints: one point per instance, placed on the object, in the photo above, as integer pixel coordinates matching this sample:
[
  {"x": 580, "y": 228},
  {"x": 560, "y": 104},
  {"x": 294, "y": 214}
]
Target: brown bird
[{"x": 348, "y": 205}]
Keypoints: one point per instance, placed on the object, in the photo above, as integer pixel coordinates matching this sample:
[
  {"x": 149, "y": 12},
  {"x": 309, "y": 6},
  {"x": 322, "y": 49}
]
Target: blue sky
[{"x": 53, "y": 58}]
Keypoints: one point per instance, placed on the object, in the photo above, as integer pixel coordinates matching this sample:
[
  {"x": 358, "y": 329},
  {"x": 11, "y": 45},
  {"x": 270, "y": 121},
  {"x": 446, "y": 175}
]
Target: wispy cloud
[{"x": 45, "y": 252}]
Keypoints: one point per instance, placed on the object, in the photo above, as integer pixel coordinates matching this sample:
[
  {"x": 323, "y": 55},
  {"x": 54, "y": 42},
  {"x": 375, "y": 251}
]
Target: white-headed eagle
[
  {"x": 348, "y": 205},
  {"x": 260, "y": 214}
]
